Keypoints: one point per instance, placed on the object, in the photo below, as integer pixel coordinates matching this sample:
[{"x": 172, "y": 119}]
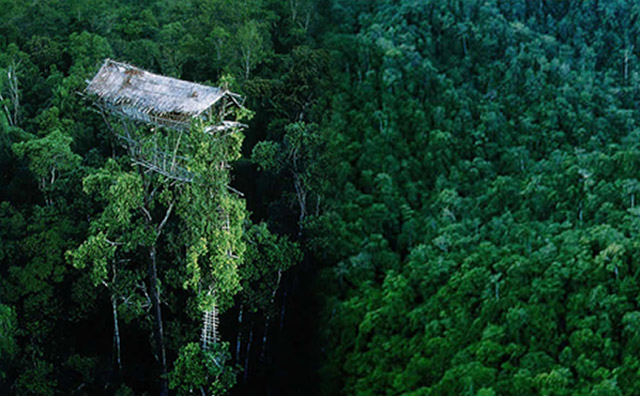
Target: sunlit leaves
[{"x": 199, "y": 371}]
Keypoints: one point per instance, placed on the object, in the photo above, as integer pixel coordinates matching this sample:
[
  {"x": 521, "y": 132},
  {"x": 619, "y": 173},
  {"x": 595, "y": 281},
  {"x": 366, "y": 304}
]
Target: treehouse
[
  {"x": 152, "y": 113},
  {"x": 132, "y": 96},
  {"x": 135, "y": 94}
]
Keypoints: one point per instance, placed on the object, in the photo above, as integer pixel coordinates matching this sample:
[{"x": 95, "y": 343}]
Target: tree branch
[
  {"x": 166, "y": 217},
  {"x": 146, "y": 214}
]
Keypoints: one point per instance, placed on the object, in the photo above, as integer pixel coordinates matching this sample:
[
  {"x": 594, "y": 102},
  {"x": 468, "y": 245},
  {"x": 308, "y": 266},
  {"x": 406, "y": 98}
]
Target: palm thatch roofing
[{"x": 151, "y": 98}]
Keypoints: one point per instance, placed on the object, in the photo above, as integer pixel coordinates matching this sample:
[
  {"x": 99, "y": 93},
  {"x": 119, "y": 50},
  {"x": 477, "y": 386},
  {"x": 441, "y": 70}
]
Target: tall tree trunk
[
  {"x": 239, "y": 338},
  {"x": 464, "y": 45},
  {"x": 268, "y": 318},
  {"x": 116, "y": 335},
  {"x": 283, "y": 307},
  {"x": 152, "y": 273},
  {"x": 627, "y": 54},
  {"x": 14, "y": 95},
  {"x": 248, "y": 353},
  {"x": 265, "y": 335},
  {"x": 157, "y": 323},
  {"x": 301, "y": 194}
]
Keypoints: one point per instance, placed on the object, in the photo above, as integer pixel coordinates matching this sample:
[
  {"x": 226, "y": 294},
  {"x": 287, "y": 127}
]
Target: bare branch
[
  {"x": 166, "y": 217},
  {"x": 240, "y": 193},
  {"x": 146, "y": 213}
]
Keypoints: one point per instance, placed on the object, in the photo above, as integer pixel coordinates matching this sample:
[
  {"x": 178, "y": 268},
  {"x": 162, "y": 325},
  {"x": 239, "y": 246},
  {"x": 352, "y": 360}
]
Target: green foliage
[
  {"x": 37, "y": 380},
  {"x": 265, "y": 154},
  {"x": 213, "y": 217},
  {"x": 267, "y": 257},
  {"x": 463, "y": 174},
  {"x": 88, "y": 50},
  {"x": 122, "y": 191},
  {"x": 97, "y": 251},
  {"x": 482, "y": 208},
  {"x": 49, "y": 158},
  {"x": 297, "y": 158},
  {"x": 197, "y": 370},
  {"x": 68, "y": 191},
  {"x": 8, "y": 347}
]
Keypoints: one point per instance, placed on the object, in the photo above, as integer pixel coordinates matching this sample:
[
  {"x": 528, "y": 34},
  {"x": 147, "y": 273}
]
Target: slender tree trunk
[
  {"x": 248, "y": 353},
  {"x": 152, "y": 273},
  {"x": 283, "y": 308},
  {"x": 116, "y": 335},
  {"x": 247, "y": 62},
  {"x": 6, "y": 110},
  {"x": 268, "y": 318},
  {"x": 263, "y": 348},
  {"x": 464, "y": 45},
  {"x": 626, "y": 64},
  {"x": 301, "y": 194},
  {"x": 16, "y": 98},
  {"x": 239, "y": 338},
  {"x": 293, "y": 5},
  {"x": 157, "y": 323},
  {"x": 14, "y": 95},
  {"x": 307, "y": 20}
]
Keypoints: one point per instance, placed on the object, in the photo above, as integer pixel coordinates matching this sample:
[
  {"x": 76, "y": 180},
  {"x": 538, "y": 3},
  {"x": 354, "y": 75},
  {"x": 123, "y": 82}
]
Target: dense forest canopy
[
  {"x": 438, "y": 198},
  {"x": 483, "y": 217}
]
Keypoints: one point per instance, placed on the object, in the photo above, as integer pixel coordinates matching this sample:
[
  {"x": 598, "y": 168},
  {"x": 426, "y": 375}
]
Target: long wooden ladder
[{"x": 209, "y": 327}]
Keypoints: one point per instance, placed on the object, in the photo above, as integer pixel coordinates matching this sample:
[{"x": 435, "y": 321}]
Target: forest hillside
[
  {"x": 418, "y": 198},
  {"x": 482, "y": 222}
]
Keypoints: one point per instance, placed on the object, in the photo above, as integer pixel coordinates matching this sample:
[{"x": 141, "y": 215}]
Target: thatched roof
[{"x": 150, "y": 97}]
